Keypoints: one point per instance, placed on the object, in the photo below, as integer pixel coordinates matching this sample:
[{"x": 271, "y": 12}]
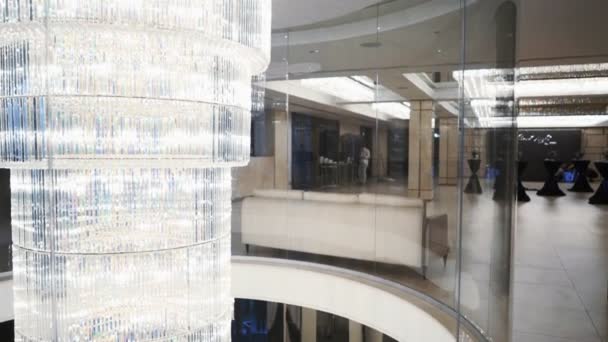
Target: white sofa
[{"x": 381, "y": 228}]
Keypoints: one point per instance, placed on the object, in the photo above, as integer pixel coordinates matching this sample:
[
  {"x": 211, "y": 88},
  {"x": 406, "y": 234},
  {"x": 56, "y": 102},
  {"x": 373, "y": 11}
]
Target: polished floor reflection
[
  {"x": 561, "y": 264},
  {"x": 561, "y": 270}
]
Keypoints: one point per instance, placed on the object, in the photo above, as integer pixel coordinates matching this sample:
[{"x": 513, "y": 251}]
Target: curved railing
[{"x": 391, "y": 308}]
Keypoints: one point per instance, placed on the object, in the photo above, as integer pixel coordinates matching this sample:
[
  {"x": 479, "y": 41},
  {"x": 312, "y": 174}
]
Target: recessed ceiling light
[
  {"x": 361, "y": 92},
  {"x": 314, "y": 51}
]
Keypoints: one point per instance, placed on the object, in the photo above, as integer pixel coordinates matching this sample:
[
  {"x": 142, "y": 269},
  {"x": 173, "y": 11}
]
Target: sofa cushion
[
  {"x": 396, "y": 201},
  {"x": 279, "y": 193},
  {"x": 330, "y": 197}
]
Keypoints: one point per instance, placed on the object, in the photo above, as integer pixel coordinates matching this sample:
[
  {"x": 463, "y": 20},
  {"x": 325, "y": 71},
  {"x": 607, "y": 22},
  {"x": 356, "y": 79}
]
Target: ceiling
[
  {"x": 293, "y": 13},
  {"x": 320, "y": 38}
]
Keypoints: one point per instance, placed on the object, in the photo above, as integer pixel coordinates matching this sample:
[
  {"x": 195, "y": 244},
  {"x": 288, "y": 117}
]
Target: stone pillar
[
  {"x": 420, "y": 171},
  {"x": 448, "y": 151},
  {"x": 594, "y": 143},
  {"x": 309, "y": 325},
  {"x": 281, "y": 149},
  {"x": 355, "y": 332}
]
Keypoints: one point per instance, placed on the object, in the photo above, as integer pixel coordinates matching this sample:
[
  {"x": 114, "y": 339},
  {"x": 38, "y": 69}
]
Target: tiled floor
[
  {"x": 561, "y": 265},
  {"x": 561, "y": 270}
]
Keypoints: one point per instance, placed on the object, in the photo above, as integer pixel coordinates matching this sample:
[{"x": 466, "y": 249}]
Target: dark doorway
[
  {"x": 367, "y": 138},
  {"x": 302, "y": 167},
  {"x": 312, "y": 138},
  {"x": 398, "y": 151},
  {"x": 329, "y": 138},
  {"x": 331, "y": 328}
]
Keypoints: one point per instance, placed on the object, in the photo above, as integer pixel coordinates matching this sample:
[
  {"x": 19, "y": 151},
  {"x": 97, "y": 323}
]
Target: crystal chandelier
[{"x": 120, "y": 121}]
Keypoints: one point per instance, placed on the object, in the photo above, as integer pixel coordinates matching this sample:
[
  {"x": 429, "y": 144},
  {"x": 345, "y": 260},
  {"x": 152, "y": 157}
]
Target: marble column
[
  {"x": 448, "y": 151},
  {"x": 309, "y": 325},
  {"x": 282, "y": 150},
  {"x": 355, "y": 332},
  {"x": 420, "y": 173}
]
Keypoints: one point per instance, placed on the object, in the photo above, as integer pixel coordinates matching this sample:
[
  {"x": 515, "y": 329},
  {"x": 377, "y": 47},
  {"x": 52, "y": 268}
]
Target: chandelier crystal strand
[{"x": 120, "y": 121}]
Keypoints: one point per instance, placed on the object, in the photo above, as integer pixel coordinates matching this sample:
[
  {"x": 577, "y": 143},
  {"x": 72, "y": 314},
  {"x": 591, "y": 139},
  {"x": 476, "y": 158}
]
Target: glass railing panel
[
  {"x": 487, "y": 162},
  {"x": 358, "y": 156}
]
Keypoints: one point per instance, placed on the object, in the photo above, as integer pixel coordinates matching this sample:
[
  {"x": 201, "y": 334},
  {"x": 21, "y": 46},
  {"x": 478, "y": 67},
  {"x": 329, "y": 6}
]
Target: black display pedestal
[
  {"x": 551, "y": 187},
  {"x": 581, "y": 184},
  {"x": 522, "y": 196},
  {"x": 601, "y": 195},
  {"x": 474, "y": 187}
]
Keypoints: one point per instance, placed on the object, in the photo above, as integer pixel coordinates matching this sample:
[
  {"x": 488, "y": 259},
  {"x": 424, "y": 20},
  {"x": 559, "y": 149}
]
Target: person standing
[{"x": 364, "y": 157}]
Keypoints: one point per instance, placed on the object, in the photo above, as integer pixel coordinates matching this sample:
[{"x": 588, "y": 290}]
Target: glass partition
[
  {"x": 455, "y": 148},
  {"x": 406, "y": 143},
  {"x": 561, "y": 240},
  {"x": 364, "y": 176},
  {"x": 487, "y": 149}
]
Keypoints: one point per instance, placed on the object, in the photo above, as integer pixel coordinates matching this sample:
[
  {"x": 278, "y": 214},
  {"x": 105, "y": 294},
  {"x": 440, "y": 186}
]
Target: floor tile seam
[
  {"x": 569, "y": 339},
  {"x": 583, "y": 309},
  {"x": 573, "y": 338},
  {"x": 545, "y": 335},
  {"x": 580, "y": 298},
  {"x": 603, "y": 336},
  {"x": 595, "y": 327},
  {"x": 545, "y": 285},
  {"x": 519, "y": 263},
  {"x": 561, "y": 262}
]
